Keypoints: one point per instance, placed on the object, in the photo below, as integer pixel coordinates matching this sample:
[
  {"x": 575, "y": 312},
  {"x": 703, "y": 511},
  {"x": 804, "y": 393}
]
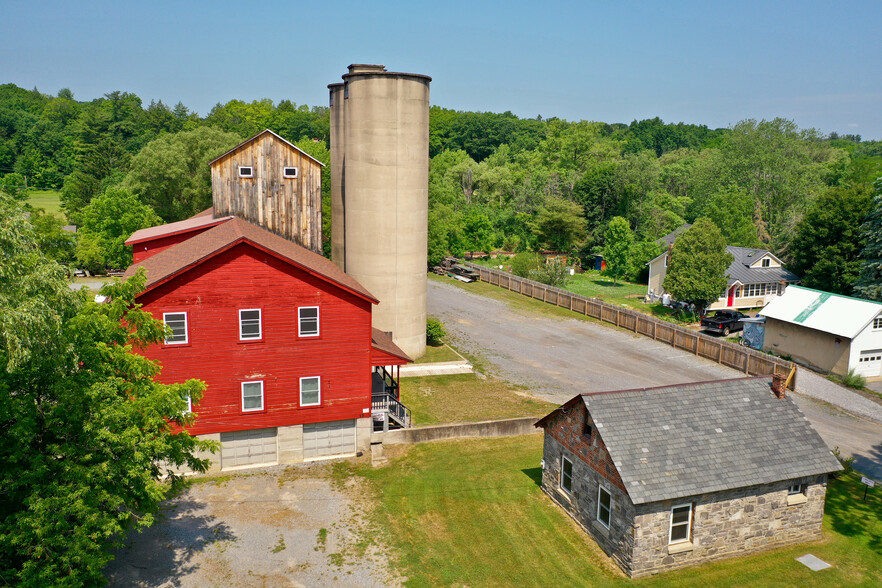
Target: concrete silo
[{"x": 379, "y": 187}]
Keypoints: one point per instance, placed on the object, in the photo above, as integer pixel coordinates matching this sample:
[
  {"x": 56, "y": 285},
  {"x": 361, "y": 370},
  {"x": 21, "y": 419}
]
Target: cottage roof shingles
[
  {"x": 690, "y": 439},
  {"x": 174, "y": 260},
  {"x": 740, "y": 270}
]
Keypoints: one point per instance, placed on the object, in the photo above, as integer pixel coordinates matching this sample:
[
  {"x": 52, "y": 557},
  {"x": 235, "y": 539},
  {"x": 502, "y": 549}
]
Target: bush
[
  {"x": 853, "y": 380},
  {"x": 845, "y": 461},
  {"x": 434, "y": 333},
  {"x": 525, "y": 264}
]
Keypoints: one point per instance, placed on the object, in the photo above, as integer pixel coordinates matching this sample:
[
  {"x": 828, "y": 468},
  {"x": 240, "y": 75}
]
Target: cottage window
[
  {"x": 681, "y": 523},
  {"x": 796, "y": 489},
  {"x": 877, "y": 322},
  {"x": 289, "y": 172},
  {"x": 246, "y": 171},
  {"x": 249, "y": 324},
  {"x": 252, "y": 396},
  {"x": 309, "y": 321},
  {"x": 604, "y": 506},
  {"x": 310, "y": 394},
  {"x": 566, "y": 473},
  {"x": 766, "y": 262},
  {"x": 177, "y": 322}
]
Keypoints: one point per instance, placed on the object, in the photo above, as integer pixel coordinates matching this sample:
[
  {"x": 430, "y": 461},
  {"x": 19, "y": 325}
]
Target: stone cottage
[{"x": 663, "y": 478}]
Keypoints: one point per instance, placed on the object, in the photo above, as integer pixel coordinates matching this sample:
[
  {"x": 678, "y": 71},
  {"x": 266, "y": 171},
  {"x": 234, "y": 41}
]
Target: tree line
[{"x": 496, "y": 181}]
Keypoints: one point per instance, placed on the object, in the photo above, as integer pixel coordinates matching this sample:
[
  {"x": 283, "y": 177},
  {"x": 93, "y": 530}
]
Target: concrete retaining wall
[{"x": 502, "y": 428}]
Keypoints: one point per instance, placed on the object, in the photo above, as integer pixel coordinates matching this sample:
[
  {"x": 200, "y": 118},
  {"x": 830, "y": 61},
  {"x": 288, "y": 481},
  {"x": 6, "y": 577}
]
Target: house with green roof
[{"x": 826, "y": 331}]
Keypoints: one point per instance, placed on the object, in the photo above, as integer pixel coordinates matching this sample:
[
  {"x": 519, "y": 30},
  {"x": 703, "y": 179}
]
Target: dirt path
[
  {"x": 559, "y": 358},
  {"x": 278, "y": 527}
]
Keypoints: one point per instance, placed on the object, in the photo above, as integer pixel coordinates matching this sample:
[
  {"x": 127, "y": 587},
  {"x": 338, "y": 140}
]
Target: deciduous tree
[
  {"x": 869, "y": 282},
  {"x": 697, "y": 271},
  {"x": 618, "y": 240}
]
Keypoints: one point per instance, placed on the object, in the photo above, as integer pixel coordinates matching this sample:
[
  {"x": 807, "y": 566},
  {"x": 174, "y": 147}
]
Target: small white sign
[{"x": 867, "y": 481}]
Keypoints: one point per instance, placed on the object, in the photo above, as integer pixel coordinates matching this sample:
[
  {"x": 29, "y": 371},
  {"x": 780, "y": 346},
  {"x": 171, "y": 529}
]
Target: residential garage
[
  {"x": 249, "y": 448},
  {"x": 827, "y": 331},
  {"x": 323, "y": 440}
]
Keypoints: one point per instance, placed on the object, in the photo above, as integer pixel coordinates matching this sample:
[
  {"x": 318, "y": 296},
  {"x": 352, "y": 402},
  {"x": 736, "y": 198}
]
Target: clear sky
[{"x": 713, "y": 63}]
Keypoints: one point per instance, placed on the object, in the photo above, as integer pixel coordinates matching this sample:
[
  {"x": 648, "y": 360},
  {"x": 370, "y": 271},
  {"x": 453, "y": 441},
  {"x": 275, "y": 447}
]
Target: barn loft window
[
  {"x": 289, "y": 172},
  {"x": 177, "y": 322},
  {"x": 309, "y": 321},
  {"x": 246, "y": 171},
  {"x": 249, "y": 324},
  {"x": 310, "y": 391},
  {"x": 252, "y": 396}
]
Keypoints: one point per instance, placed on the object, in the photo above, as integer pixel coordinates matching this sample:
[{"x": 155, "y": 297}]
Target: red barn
[{"x": 280, "y": 334}]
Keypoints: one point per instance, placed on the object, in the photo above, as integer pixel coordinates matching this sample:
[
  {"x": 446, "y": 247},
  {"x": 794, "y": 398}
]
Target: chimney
[{"x": 778, "y": 386}]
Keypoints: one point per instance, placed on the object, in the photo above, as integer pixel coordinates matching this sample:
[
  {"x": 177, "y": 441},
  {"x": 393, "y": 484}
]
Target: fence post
[
  {"x": 720, "y": 354},
  {"x": 618, "y": 316},
  {"x": 747, "y": 365},
  {"x": 654, "y": 325}
]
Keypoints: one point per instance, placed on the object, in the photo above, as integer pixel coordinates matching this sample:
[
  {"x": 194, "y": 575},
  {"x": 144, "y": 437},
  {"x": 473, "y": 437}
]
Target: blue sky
[{"x": 818, "y": 63}]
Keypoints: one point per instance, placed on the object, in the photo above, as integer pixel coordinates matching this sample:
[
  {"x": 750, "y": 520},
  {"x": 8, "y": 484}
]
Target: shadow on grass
[
  {"x": 850, "y": 515},
  {"x": 605, "y": 284},
  {"x": 534, "y": 474}
]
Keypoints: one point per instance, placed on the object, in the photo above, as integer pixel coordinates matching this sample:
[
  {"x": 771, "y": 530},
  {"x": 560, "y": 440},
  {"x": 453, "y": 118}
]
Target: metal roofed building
[
  {"x": 827, "y": 331},
  {"x": 664, "y": 478}
]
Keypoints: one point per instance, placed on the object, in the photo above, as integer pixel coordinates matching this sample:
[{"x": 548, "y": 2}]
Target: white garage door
[
  {"x": 249, "y": 448},
  {"x": 328, "y": 439},
  {"x": 870, "y": 363}
]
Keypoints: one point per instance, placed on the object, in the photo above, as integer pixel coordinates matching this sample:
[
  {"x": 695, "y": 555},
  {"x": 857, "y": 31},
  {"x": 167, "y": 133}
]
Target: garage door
[
  {"x": 248, "y": 448},
  {"x": 321, "y": 440},
  {"x": 870, "y": 363}
]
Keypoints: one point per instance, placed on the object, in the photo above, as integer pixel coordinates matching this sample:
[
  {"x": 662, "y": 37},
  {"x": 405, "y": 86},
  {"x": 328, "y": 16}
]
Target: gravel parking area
[
  {"x": 820, "y": 388},
  {"x": 294, "y": 526}
]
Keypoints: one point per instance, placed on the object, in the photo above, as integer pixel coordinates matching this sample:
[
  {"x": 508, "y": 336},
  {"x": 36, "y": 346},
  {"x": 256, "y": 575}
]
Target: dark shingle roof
[
  {"x": 382, "y": 342},
  {"x": 672, "y": 236},
  {"x": 190, "y": 253},
  {"x": 690, "y": 439},
  {"x": 741, "y": 271}
]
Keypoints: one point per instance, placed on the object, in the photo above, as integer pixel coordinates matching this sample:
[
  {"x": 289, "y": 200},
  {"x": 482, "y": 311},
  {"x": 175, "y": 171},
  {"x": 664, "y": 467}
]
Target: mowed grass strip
[
  {"x": 438, "y": 354},
  {"x": 471, "y": 513},
  {"x": 48, "y": 200},
  {"x": 466, "y": 397}
]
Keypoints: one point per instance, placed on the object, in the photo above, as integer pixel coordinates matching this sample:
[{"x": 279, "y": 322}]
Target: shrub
[
  {"x": 434, "y": 332},
  {"x": 845, "y": 461},
  {"x": 525, "y": 263},
  {"x": 853, "y": 380}
]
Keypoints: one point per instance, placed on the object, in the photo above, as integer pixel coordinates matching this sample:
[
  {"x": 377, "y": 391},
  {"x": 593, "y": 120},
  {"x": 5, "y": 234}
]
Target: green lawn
[
  {"x": 471, "y": 513},
  {"x": 466, "y": 397},
  {"x": 438, "y": 354},
  {"x": 49, "y": 200}
]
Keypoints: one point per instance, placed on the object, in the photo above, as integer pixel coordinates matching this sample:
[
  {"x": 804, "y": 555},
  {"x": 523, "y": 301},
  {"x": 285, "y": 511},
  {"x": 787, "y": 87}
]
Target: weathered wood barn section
[{"x": 272, "y": 183}]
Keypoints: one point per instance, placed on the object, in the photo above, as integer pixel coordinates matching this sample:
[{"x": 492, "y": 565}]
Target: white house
[{"x": 828, "y": 331}]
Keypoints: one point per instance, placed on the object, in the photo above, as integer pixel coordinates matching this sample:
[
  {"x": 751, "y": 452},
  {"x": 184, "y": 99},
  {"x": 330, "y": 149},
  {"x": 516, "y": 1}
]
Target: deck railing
[{"x": 392, "y": 408}]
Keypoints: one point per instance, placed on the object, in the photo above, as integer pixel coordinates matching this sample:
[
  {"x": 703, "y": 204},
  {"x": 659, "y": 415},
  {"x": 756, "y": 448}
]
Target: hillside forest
[{"x": 496, "y": 181}]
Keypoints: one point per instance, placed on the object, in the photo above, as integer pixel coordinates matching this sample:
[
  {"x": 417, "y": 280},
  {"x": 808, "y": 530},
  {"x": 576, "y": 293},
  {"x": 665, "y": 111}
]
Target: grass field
[
  {"x": 437, "y": 354},
  {"x": 466, "y": 397},
  {"x": 471, "y": 513},
  {"x": 49, "y": 200}
]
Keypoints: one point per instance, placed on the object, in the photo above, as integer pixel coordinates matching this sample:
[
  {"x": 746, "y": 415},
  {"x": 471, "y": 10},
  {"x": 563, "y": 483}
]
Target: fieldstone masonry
[{"x": 725, "y": 524}]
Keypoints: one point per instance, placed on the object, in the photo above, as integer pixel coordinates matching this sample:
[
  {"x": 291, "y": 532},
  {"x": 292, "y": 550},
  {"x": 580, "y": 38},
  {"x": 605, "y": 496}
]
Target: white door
[
  {"x": 869, "y": 363},
  {"x": 322, "y": 440},
  {"x": 249, "y": 448}
]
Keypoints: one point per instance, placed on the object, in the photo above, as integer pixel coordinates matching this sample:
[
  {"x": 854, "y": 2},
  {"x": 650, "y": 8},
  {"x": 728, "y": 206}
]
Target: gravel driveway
[
  {"x": 289, "y": 526},
  {"x": 559, "y": 358}
]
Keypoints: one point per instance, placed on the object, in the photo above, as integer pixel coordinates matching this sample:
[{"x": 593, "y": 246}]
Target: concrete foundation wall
[
  {"x": 808, "y": 346},
  {"x": 502, "y": 428}
]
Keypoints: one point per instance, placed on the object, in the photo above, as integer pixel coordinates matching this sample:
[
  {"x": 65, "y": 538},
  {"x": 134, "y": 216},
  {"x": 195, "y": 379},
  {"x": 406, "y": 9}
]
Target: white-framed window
[
  {"x": 246, "y": 171},
  {"x": 604, "y": 506},
  {"x": 189, "y": 404},
  {"x": 566, "y": 473},
  {"x": 177, "y": 322},
  {"x": 870, "y": 356},
  {"x": 310, "y": 391},
  {"x": 289, "y": 172},
  {"x": 681, "y": 523},
  {"x": 308, "y": 321},
  {"x": 766, "y": 262},
  {"x": 796, "y": 489},
  {"x": 252, "y": 395},
  {"x": 877, "y": 322},
  {"x": 249, "y": 324}
]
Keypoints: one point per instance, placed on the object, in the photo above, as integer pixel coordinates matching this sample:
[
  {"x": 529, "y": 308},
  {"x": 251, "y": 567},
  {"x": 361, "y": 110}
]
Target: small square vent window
[
  {"x": 289, "y": 172},
  {"x": 246, "y": 171}
]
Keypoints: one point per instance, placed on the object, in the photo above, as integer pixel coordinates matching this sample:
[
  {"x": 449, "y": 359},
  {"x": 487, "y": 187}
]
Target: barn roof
[
  {"x": 179, "y": 258},
  {"x": 257, "y": 136},
  {"x": 200, "y": 221},
  {"x": 831, "y": 313},
  {"x": 678, "y": 441},
  {"x": 384, "y": 351}
]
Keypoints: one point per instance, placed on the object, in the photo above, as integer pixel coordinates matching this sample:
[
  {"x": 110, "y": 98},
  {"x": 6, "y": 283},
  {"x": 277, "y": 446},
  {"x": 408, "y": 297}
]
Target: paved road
[{"x": 559, "y": 358}]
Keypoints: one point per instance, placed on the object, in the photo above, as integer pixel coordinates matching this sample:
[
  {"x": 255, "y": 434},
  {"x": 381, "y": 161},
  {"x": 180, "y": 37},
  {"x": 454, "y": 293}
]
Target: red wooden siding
[{"x": 243, "y": 278}]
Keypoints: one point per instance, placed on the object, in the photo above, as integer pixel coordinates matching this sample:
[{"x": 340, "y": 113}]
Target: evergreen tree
[
  {"x": 699, "y": 260},
  {"x": 869, "y": 283}
]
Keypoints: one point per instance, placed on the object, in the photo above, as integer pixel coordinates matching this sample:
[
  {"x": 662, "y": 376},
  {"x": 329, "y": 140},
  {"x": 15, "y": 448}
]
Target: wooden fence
[{"x": 745, "y": 359}]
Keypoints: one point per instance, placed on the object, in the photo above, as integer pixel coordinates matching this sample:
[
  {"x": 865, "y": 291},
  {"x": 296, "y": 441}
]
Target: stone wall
[{"x": 728, "y": 524}]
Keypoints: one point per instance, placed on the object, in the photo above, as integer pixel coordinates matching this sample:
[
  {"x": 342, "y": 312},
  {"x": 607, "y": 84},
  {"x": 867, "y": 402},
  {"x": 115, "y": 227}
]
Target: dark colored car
[{"x": 723, "y": 321}]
